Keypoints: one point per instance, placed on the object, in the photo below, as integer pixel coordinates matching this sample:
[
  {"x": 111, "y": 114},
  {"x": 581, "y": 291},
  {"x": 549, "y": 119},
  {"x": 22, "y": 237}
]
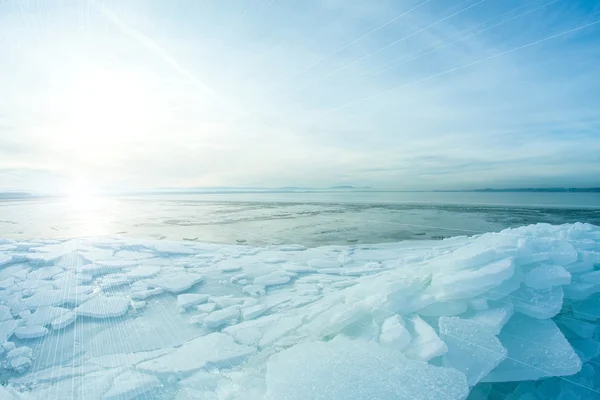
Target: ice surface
[
  {"x": 471, "y": 283},
  {"x": 431, "y": 319},
  {"x": 493, "y": 318},
  {"x": 536, "y": 349},
  {"x": 472, "y": 349},
  {"x": 547, "y": 276},
  {"x": 343, "y": 369}
]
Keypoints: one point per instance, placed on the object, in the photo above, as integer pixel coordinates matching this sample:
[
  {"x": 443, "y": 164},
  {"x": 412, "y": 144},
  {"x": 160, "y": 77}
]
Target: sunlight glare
[
  {"x": 86, "y": 210},
  {"x": 106, "y": 108}
]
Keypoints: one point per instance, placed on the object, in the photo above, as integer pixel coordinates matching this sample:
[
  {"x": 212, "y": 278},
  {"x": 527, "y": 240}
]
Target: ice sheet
[{"x": 116, "y": 318}]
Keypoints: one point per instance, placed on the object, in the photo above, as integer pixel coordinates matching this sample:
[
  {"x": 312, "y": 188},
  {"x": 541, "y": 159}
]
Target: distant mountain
[
  {"x": 14, "y": 195},
  {"x": 349, "y": 187},
  {"x": 529, "y": 190},
  {"x": 542, "y": 190}
]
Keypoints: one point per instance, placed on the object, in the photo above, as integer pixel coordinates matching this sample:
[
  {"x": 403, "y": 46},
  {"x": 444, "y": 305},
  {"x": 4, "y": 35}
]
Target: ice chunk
[
  {"x": 216, "y": 319},
  {"x": 444, "y": 308},
  {"x": 254, "y": 311},
  {"x": 188, "y": 300},
  {"x": 128, "y": 359},
  {"x": 581, "y": 291},
  {"x": 45, "y": 315},
  {"x": 6, "y": 283},
  {"x": 560, "y": 252},
  {"x": 100, "y": 269},
  {"x": 279, "y": 329},
  {"x": 22, "y": 351},
  {"x": 5, "y": 259},
  {"x": 192, "y": 394},
  {"x": 590, "y": 277},
  {"x": 547, "y": 276},
  {"x": 478, "y": 304},
  {"x": 319, "y": 263},
  {"x": 343, "y": 369},
  {"x": 588, "y": 309},
  {"x": 540, "y": 304},
  {"x": 114, "y": 280},
  {"x": 426, "y": 344},
  {"x": 494, "y": 318},
  {"x": 5, "y": 313},
  {"x": 64, "y": 320},
  {"x": 226, "y": 301},
  {"x": 583, "y": 329},
  {"x": 131, "y": 384},
  {"x": 274, "y": 278},
  {"x": 103, "y": 307},
  {"x": 254, "y": 290},
  {"x": 144, "y": 294},
  {"x": 216, "y": 350},
  {"x": 536, "y": 349},
  {"x": 292, "y": 247},
  {"x": 299, "y": 269},
  {"x": 471, "y": 283},
  {"x": 176, "y": 283},
  {"x": 45, "y": 298},
  {"x": 579, "y": 266},
  {"x": 394, "y": 334},
  {"x": 30, "y": 331},
  {"x": 590, "y": 256},
  {"x": 143, "y": 272},
  {"x": 206, "y": 308},
  {"x": 20, "y": 364},
  {"x": 6, "y": 329},
  {"x": 472, "y": 349}
]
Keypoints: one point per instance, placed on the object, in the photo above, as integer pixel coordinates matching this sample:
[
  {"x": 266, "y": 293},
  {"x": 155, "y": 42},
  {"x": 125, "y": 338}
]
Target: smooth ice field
[{"x": 501, "y": 315}]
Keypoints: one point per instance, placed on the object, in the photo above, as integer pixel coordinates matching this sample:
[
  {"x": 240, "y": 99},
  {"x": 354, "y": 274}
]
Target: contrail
[{"x": 159, "y": 52}]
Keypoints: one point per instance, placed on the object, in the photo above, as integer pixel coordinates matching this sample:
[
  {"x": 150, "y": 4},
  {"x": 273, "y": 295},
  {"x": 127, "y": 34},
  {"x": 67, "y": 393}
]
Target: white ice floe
[
  {"x": 188, "y": 300},
  {"x": 176, "y": 283},
  {"x": 131, "y": 384},
  {"x": 511, "y": 312},
  {"x": 216, "y": 350},
  {"x": 103, "y": 307},
  {"x": 64, "y": 320},
  {"x": 219, "y": 318},
  {"x": 344, "y": 369},
  {"x": 30, "y": 331}
]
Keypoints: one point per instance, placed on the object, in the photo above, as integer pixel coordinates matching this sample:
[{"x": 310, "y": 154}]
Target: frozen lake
[
  {"x": 273, "y": 293},
  {"x": 311, "y": 219}
]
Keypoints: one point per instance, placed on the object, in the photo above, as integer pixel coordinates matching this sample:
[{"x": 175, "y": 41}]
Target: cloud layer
[{"x": 419, "y": 94}]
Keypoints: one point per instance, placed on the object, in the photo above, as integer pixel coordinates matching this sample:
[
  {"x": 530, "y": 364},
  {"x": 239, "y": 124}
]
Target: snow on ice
[{"x": 513, "y": 313}]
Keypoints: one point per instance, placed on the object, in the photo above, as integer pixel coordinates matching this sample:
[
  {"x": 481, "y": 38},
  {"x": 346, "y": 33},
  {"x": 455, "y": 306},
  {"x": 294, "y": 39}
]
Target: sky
[{"x": 397, "y": 94}]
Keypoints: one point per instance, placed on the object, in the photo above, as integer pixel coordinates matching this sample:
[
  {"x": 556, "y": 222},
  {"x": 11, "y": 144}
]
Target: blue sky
[{"x": 412, "y": 94}]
